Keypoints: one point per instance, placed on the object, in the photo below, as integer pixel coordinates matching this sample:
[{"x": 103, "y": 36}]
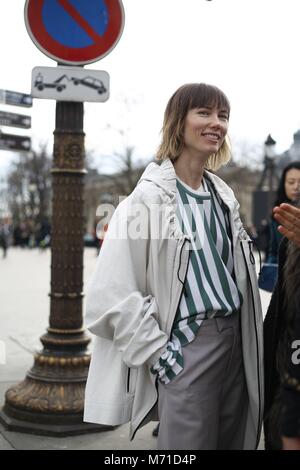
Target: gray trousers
[{"x": 205, "y": 405}]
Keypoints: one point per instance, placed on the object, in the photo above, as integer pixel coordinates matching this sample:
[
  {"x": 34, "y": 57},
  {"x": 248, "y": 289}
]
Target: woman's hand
[{"x": 289, "y": 218}]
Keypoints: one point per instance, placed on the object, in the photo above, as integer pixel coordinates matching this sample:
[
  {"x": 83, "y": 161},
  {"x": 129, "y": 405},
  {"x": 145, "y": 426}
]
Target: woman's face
[
  {"x": 205, "y": 130},
  {"x": 292, "y": 184}
]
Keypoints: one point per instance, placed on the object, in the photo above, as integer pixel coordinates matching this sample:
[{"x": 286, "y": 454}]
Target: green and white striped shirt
[{"x": 209, "y": 289}]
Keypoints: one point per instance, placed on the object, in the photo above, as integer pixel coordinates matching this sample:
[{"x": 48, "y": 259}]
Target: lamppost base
[
  {"x": 50, "y": 400},
  {"x": 47, "y": 425}
]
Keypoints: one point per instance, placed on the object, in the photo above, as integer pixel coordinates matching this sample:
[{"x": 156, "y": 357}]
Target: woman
[
  {"x": 281, "y": 335},
  {"x": 286, "y": 193},
  {"x": 174, "y": 302}
]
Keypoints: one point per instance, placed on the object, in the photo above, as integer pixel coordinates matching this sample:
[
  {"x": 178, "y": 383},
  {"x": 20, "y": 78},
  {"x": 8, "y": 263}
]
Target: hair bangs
[{"x": 203, "y": 95}]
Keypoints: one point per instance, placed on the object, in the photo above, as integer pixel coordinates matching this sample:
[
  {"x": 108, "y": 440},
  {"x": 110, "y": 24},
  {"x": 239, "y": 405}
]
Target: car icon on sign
[{"x": 91, "y": 83}]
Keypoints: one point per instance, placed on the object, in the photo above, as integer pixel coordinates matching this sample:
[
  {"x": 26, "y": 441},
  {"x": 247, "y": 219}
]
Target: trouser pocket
[{"x": 131, "y": 380}]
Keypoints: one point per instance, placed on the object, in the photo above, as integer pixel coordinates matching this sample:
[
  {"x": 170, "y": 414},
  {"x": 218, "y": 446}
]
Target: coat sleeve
[{"x": 118, "y": 306}]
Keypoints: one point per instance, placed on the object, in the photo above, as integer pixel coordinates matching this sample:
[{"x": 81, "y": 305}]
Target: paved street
[{"x": 24, "y": 311}]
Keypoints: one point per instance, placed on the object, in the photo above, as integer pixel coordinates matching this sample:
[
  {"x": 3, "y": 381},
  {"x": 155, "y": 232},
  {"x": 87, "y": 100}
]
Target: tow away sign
[{"x": 69, "y": 84}]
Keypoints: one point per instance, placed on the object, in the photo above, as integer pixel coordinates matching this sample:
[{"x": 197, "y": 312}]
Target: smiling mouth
[{"x": 212, "y": 136}]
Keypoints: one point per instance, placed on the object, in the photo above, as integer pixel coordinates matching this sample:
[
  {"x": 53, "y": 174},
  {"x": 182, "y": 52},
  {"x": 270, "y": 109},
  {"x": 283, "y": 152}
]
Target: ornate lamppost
[
  {"x": 50, "y": 399},
  {"x": 264, "y": 195},
  {"x": 269, "y": 180}
]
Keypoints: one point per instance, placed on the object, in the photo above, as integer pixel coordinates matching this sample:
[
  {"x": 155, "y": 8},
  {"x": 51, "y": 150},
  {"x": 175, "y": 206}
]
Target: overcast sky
[{"x": 249, "y": 48}]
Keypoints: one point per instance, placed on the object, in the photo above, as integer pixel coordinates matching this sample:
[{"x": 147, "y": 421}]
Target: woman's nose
[{"x": 215, "y": 120}]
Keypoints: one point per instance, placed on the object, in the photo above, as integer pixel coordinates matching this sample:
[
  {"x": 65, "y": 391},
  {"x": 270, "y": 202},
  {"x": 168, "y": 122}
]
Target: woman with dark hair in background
[{"x": 287, "y": 192}]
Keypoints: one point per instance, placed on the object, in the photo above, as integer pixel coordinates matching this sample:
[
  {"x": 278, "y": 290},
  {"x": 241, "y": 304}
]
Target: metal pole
[{"x": 50, "y": 399}]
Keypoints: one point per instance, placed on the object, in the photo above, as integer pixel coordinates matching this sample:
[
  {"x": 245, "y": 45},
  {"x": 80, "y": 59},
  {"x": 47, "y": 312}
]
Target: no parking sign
[{"x": 75, "y": 32}]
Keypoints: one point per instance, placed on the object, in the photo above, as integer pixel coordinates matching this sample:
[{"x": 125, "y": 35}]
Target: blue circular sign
[{"x": 75, "y": 31}]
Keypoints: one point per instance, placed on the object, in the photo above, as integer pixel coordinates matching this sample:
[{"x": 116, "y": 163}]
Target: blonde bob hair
[{"x": 190, "y": 96}]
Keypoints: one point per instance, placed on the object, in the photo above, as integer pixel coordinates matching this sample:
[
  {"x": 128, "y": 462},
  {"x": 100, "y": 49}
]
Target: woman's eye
[{"x": 223, "y": 116}]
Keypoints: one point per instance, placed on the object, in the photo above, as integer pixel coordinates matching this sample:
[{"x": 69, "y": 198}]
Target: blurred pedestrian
[
  {"x": 99, "y": 234},
  {"x": 282, "y": 338},
  {"x": 43, "y": 234},
  {"x": 174, "y": 302},
  {"x": 4, "y": 237},
  {"x": 24, "y": 234},
  {"x": 287, "y": 192}
]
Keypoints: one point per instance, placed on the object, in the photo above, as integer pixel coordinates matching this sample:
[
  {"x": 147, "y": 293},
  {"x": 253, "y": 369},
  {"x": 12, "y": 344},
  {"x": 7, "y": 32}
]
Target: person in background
[
  {"x": 4, "y": 237},
  {"x": 286, "y": 193},
  {"x": 99, "y": 234},
  {"x": 174, "y": 302},
  {"x": 282, "y": 339}
]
